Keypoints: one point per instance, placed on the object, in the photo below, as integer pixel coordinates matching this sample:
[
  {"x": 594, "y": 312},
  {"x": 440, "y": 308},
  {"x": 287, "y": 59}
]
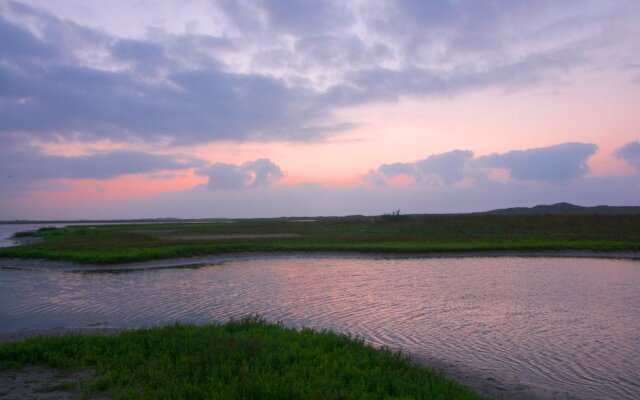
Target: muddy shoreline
[
  {"x": 26, "y": 240},
  {"x": 189, "y": 262}
]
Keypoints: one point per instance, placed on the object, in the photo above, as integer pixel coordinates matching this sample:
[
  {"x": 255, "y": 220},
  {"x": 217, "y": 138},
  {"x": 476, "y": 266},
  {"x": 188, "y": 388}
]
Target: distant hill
[
  {"x": 552, "y": 209},
  {"x": 565, "y": 209}
]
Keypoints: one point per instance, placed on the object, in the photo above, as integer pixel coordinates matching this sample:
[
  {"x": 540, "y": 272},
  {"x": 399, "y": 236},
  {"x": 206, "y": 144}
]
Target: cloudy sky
[{"x": 197, "y": 108}]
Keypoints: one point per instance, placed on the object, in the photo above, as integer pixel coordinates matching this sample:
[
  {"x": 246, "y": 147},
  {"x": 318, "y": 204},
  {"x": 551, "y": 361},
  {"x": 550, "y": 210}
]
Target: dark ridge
[
  {"x": 552, "y": 209},
  {"x": 565, "y": 209}
]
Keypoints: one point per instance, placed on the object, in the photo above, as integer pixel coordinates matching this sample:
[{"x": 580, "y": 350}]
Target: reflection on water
[{"x": 571, "y": 325}]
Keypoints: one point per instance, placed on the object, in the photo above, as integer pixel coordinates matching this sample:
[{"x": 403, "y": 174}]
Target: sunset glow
[{"x": 225, "y": 109}]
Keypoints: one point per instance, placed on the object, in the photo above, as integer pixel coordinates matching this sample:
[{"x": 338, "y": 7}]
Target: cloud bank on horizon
[
  {"x": 102, "y": 93},
  {"x": 250, "y": 175},
  {"x": 630, "y": 152}
]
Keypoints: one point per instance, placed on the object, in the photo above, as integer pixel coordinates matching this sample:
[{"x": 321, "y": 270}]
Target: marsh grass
[
  {"x": 247, "y": 359},
  {"x": 409, "y": 234},
  {"x": 24, "y": 234}
]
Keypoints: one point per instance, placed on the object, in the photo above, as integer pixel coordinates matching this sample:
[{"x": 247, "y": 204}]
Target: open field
[
  {"x": 245, "y": 359},
  {"x": 108, "y": 244}
]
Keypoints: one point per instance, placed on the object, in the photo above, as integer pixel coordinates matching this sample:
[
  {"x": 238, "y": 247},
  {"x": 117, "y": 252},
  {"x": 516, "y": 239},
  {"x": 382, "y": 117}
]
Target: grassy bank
[
  {"x": 407, "y": 234},
  {"x": 249, "y": 359}
]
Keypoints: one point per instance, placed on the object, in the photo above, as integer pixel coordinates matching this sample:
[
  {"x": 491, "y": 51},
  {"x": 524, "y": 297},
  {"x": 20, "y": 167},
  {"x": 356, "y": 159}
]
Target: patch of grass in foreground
[{"x": 248, "y": 359}]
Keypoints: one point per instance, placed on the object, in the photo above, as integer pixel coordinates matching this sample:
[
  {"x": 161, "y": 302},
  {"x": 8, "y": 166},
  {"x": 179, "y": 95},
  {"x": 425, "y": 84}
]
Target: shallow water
[
  {"x": 8, "y": 230},
  {"x": 560, "y": 324}
]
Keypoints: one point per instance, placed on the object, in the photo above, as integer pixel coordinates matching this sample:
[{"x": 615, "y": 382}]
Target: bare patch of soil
[{"x": 42, "y": 383}]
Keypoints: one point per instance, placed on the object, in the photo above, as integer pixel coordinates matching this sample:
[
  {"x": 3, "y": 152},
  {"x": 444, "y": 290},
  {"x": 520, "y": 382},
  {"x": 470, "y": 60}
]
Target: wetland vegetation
[
  {"x": 108, "y": 244},
  {"x": 248, "y": 359}
]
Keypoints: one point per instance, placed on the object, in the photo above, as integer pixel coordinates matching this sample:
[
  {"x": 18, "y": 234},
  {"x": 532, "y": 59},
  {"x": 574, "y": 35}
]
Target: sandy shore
[{"x": 44, "y": 383}]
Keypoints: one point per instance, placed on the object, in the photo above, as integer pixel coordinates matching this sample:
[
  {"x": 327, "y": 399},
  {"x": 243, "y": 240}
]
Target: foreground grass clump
[
  {"x": 248, "y": 359},
  {"x": 108, "y": 244}
]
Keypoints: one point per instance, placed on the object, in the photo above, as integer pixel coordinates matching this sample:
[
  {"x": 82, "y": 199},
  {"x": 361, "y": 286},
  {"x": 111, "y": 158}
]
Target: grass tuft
[{"x": 246, "y": 359}]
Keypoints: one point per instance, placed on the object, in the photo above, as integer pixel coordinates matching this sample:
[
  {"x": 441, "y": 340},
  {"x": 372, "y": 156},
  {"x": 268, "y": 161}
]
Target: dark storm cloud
[
  {"x": 27, "y": 165},
  {"x": 18, "y": 44},
  {"x": 59, "y": 78},
  {"x": 198, "y": 106},
  {"x": 554, "y": 163},
  {"x": 250, "y": 175},
  {"x": 630, "y": 152},
  {"x": 46, "y": 96},
  {"x": 25, "y": 168},
  {"x": 445, "y": 168}
]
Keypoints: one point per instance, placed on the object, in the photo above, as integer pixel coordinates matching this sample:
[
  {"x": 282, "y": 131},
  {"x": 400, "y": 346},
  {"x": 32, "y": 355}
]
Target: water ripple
[{"x": 566, "y": 325}]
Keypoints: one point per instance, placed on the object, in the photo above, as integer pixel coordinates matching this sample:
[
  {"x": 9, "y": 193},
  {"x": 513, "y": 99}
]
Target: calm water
[
  {"x": 569, "y": 325},
  {"x": 7, "y": 230}
]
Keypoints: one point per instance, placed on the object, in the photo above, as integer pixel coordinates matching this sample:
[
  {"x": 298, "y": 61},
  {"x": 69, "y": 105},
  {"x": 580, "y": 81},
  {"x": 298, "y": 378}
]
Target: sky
[{"x": 266, "y": 108}]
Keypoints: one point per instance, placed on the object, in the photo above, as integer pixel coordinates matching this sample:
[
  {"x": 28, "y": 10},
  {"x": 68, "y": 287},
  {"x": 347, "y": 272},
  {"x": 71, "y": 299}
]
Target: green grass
[
  {"x": 409, "y": 234},
  {"x": 247, "y": 359}
]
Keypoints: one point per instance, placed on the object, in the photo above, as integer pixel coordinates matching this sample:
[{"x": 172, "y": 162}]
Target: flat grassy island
[
  {"x": 247, "y": 359},
  {"x": 109, "y": 244}
]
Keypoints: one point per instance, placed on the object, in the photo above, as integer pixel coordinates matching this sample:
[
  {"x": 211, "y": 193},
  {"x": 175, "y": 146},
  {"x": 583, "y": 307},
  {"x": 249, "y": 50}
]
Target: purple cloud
[
  {"x": 630, "y": 152},
  {"x": 250, "y": 175},
  {"x": 27, "y": 165},
  {"x": 186, "y": 89},
  {"x": 554, "y": 163},
  {"x": 446, "y": 168}
]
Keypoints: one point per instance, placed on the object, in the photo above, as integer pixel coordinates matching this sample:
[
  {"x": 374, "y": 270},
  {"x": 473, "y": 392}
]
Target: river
[{"x": 568, "y": 326}]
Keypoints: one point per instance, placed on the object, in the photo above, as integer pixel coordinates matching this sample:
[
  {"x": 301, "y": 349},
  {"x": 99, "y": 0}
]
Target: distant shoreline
[{"x": 558, "y": 209}]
